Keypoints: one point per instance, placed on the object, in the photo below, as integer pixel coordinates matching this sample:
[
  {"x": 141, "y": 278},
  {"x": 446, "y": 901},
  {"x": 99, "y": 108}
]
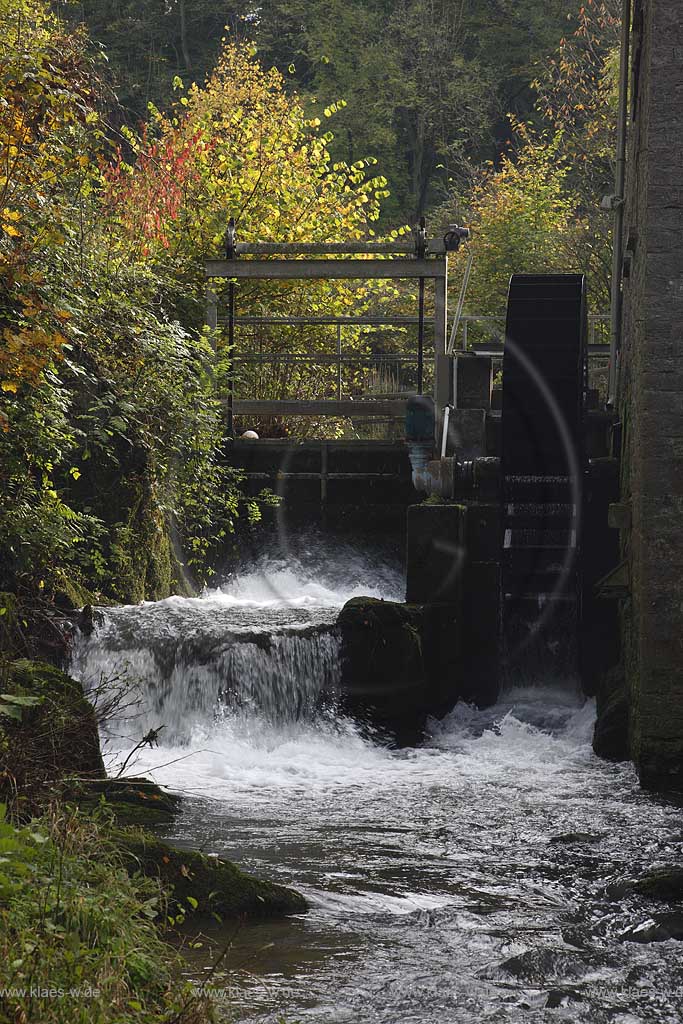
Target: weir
[
  {"x": 515, "y": 480},
  {"x": 442, "y": 879},
  {"x": 264, "y": 651}
]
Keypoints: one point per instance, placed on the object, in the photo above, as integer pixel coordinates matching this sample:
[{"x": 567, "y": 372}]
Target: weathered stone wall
[{"x": 651, "y": 395}]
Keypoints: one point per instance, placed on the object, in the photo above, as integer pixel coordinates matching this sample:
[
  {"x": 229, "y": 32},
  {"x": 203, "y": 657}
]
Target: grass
[{"x": 81, "y": 941}]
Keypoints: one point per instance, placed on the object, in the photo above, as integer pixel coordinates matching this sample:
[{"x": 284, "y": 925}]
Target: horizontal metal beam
[
  {"x": 342, "y": 321},
  {"x": 326, "y": 269},
  {"x": 496, "y": 348},
  {"x": 345, "y": 408},
  {"x": 322, "y": 248},
  {"x": 323, "y": 360},
  {"x": 405, "y": 246},
  {"x": 276, "y": 473},
  {"x": 349, "y": 444}
]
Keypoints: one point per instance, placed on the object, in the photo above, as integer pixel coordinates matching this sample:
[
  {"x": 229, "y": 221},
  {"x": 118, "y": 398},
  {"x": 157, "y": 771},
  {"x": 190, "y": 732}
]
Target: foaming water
[
  {"x": 465, "y": 880},
  {"x": 471, "y": 879},
  {"x": 259, "y": 652},
  {"x": 315, "y": 577}
]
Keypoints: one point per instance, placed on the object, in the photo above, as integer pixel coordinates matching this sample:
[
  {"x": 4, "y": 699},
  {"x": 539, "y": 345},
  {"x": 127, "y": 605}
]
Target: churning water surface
[{"x": 475, "y": 878}]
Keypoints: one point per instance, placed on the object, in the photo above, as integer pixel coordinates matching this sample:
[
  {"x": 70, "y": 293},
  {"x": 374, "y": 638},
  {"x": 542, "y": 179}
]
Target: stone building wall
[{"x": 651, "y": 395}]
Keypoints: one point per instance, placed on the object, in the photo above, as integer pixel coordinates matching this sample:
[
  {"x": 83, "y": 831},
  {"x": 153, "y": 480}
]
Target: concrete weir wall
[
  {"x": 651, "y": 396},
  {"x": 342, "y": 486}
]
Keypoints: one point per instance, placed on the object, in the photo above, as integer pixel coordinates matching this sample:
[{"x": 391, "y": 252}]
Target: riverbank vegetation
[
  {"x": 78, "y": 939},
  {"x": 119, "y": 170},
  {"x": 112, "y": 436}
]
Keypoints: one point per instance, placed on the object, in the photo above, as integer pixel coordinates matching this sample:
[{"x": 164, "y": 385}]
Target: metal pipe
[
  {"x": 339, "y": 362},
  {"x": 461, "y": 304},
  {"x": 420, "y": 335},
  {"x": 618, "y": 203},
  {"x": 444, "y": 435},
  {"x": 231, "y": 347}
]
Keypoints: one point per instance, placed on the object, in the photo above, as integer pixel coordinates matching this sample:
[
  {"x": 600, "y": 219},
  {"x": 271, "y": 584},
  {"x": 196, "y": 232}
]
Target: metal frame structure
[{"x": 419, "y": 260}]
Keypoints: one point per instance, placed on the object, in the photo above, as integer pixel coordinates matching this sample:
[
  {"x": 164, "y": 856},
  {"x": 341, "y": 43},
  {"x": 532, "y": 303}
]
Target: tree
[
  {"x": 150, "y": 42},
  {"x": 540, "y": 210},
  {"x": 413, "y": 100},
  {"x": 110, "y": 431},
  {"x": 428, "y": 83},
  {"x": 520, "y": 215},
  {"x": 243, "y": 147}
]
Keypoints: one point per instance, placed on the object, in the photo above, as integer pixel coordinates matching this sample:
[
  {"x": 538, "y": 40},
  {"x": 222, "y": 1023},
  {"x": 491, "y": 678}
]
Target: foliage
[
  {"x": 539, "y": 211},
  {"x": 46, "y": 122},
  {"x": 78, "y": 942},
  {"x": 414, "y": 100},
  {"x": 242, "y": 147},
  {"x": 150, "y": 42},
  {"x": 110, "y": 431},
  {"x": 425, "y": 80},
  {"x": 578, "y": 95},
  {"x": 519, "y": 214}
]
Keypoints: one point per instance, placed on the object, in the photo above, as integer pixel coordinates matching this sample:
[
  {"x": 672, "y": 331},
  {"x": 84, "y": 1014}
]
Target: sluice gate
[{"x": 500, "y": 483}]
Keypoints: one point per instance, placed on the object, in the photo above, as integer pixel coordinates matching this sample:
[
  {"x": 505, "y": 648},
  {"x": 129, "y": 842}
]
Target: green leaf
[
  {"x": 10, "y": 712},
  {"x": 23, "y": 699}
]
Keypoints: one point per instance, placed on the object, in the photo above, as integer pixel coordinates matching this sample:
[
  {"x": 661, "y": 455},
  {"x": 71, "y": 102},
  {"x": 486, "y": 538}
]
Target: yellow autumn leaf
[{"x": 10, "y": 385}]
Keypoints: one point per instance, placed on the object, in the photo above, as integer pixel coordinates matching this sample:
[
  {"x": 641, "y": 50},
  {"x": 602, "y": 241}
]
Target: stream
[{"x": 478, "y": 877}]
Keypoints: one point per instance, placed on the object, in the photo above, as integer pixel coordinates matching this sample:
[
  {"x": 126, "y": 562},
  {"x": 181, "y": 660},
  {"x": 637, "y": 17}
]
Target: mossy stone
[
  {"x": 218, "y": 886},
  {"x": 133, "y": 801},
  {"x": 662, "y": 884},
  {"x": 55, "y": 738},
  {"x": 383, "y": 669}
]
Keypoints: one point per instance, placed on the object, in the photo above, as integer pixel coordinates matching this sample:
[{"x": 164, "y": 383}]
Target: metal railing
[
  {"x": 483, "y": 335},
  {"x": 339, "y": 358},
  {"x": 472, "y": 329},
  {"x": 598, "y": 327}
]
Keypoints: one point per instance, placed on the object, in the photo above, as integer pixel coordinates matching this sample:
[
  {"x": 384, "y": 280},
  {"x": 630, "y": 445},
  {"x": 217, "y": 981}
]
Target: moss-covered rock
[
  {"x": 133, "y": 801},
  {"x": 664, "y": 884},
  {"x": 52, "y": 737},
  {"x": 383, "y": 669},
  {"x": 218, "y": 886},
  {"x": 141, "y": 556},
  {"x": 71, "y": 593},
  {"x": 139, "y": 560}
]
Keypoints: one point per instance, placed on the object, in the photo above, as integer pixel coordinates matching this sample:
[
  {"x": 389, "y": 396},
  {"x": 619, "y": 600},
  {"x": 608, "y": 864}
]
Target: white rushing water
[{"x": 475, "y": 878}]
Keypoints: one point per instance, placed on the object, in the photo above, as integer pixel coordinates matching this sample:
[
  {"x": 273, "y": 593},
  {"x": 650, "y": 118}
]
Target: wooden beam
[
  {"x": 345, "y": 408},
  {"x": 327, "y": 269}
]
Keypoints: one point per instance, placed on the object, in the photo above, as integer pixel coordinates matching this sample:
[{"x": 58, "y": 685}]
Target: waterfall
[
  {"x": 187, "y": 685},
  {"x": 262, "y": 652}
]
